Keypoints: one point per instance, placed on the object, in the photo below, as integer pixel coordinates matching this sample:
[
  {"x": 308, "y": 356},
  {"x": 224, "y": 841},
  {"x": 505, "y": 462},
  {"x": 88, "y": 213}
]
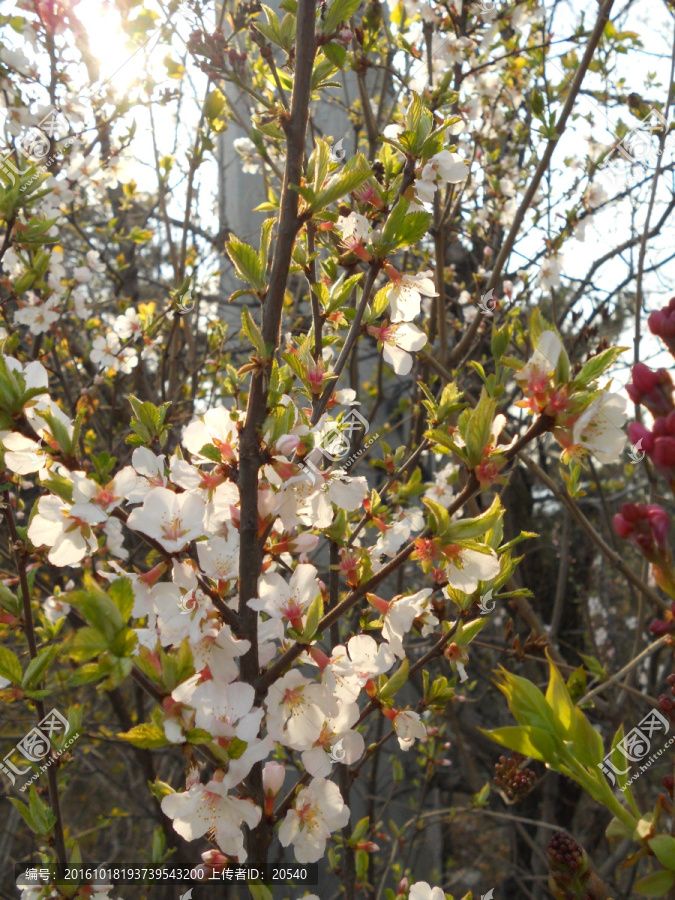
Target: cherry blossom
[
  {"x": 216, "y": 427},
  {"x": 289, "y": 601},
  {"x": 209, "y": 808},
  {"x": 23, "y": 455},
  {"x": 406, "y": 291},
  {"x": 399, "y": 615},
  {"x": 599, "y": 428},
  {"x": 409, "y": 727},
  {"x": 534, "y": 376},
  {"x": 319, "y": 810},
  {"x": 421, "y": 890},
  {"x": 353, "y": 666},
  {"x": 173, "y": 520},
  {"x": 396, "y": 340},
  {"x": 465, "y": 567},
  {"x": 69, "y": 537},
  {"x": 297, "y": 709}
]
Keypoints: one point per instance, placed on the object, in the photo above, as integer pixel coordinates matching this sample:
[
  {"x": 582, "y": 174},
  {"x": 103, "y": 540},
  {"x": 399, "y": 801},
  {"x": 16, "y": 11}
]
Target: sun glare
[{"x": 117, "y": 59}]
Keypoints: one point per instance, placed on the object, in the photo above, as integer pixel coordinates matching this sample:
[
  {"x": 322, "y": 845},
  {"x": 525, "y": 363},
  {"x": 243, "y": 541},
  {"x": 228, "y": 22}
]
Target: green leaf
[
  {"x": 395, "y": 683},
  {"x": 25, "y": 813},
  {"x": 314, "y": 616},
  {"x": 214, "y": 104},
  {"x": 98, "y": 609},
  {"x": 401, "y": 229},
  {"x": 10, "y": 667},
  {"x": 87, "y": 643},
  {"x": 41, "y": 814},
  {"x": 160, "y": 789},
  {"x": 588, "y": 747},
  {"x": 337, "y": 186},
  {"x": 265, "y": 239},
  {"x": 38, "y": 666},
  {"x": 525, "y": 739},
  {"x": 477, "y": 428},
  {"x": 526, "y": 702},
  {"x": 146, "y": 736},
  {"x": 598, "y": 364},
  {"x": 198, "y": 736},
  {"x": 467, "y": 631},
  {"x": 477, "y": 526},
  {"x": 339, "y": 11},
  {"x": 247, "y": 263},
  {"x": 9, "y": 601},
  {"x": 558, "y": 698},
  {"x": 253, "y": 332},
  {"x": 656, "y": 884},
  {"x": 440, "y": 520},
  {"x": 122, "y": 594},
  {"x": 537, "y": 103},
  {"x": 663, "y": 847}
]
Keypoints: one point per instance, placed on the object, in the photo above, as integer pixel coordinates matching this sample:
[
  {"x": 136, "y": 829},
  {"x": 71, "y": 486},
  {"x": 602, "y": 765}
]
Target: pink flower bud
[{"x": 287, "y": 444}]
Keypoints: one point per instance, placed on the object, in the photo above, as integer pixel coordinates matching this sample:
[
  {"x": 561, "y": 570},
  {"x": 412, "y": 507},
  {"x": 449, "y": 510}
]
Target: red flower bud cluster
[
  {"x": 516, "y": 782},
  {"x": 658, "y": 444},
  {"x": 645, "y": 526},
  {"x": 662, "y": 324},
  {"x": 654, "y": 390}
]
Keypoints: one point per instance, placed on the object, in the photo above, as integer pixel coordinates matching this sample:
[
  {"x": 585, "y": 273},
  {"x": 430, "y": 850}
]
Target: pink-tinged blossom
[
  {"x": 216, "y": 427},
  {"x": 397, "y": 342},
  {"x": 352, "y": 667},
  {"x": 287, "y": 600},
  {"x": 319, "y": 810},
  {"x": 296, "y": 710},
  {"x": 208, "y": 808},
  {"x": 406, "y": 291},
  {"x": 336, "y": 743},
  {"x": 224, "y": 710},
  {"x": 399, "y": 616},
  {"x": 38, "y": 317},
  {"x": 464, "y": 567},
  {"x": 218, "y": 650},
  {"x": 533, "y": 378},
  {"x": 173, "y": 520},
  {"x": 70, "y": 538}
]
